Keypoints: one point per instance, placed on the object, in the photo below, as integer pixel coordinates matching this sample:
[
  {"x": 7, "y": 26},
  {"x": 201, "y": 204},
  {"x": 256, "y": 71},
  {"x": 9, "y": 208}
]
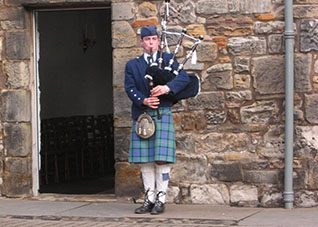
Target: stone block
[
  {"x": 234, "y": 116},
  {"x": 303, "y": 65},
  {"x": 316, "y": 67},
  {"x": 229, "y": 25},
  {"x": 260, "y": 112},
  {"x": 185, "y": 143},
  {"x": 308, "y": 31},
  {"x": 123, "y": 35},
  {"x": 173, "y": 195},
  {"x": 10, "y": 25},
  {"x": 233, "y": 6},
  {"x": 209, "y": 7},
  {"x": 271, "y": 27},
  {"x": 305, "y": 11},
  {"x": 207, "y": 101},
  {"x": 271, "y": 200},
  {"x": 215, "y": 117},
  {"x": 220, "y": 68},
  {"x": 18, "y": 167},
  {"x": 261, "y": 176},
  {"x": 18, "y": 74},
  {"x": 16, "y": 186},
  {"x": 213, "y": 194},
  {"x": 305, "y": 198},
  {"x": 275, "y": 44},
  {"x": 145, "y": 22},
  {"x": 226, "y": 171},
  {"x": 269, "y": 74},
  {"x": 1, "y": 166},
  {"x": 306, "y": 1},
  {"x": 247, "y": 45},
  {"x": 242, "y": 157},
  {"x": 242, "y": 81},
  {"x": 1, "y": 50},
  {"x": 221, "y": 41},
  {"x": 193, "y": 67},
  {"x": 17, "y": 140},
  {"x": 207, "y": 51},
  {"x": 146, "y": 10},
  {"x": 122, "y": 11},
  {"x": 128, "y": 180},
  {"x": 255, "y": 6},
  {"x": 1, "y": 146},
  {"x": 237, "y": 98},
  {"x": 12, "y": 14},
  {"x": 265, "y": 17},
  {"x": 122, "y": 104},
  {"x": 242, "y": 64},
  {"x": 306, "y": 145},
  {"x": 189, "y": 121},
  {"x": 206, "y": 144},
  {"x": 190, "y": 170},
  {"x": 3, "y": 77},
  {"x": 255, "y": 165},
  {"x": 120, "y": 58},
  {"x": 17, "y": 45},
  {"x": 122, "y": 121},
  {"x": 218, "y": 77},
  {"x": 244, "y": 195},
  {"x": 196, "y": 30},
  {"x": 181, "y": 12},
  {"x": 312, "y": 174},
  {"x": 273, "y": 144},
  {"x": 311, "y": 105},
  {"x": 16, "y": 105},
  {"x": 122, "y": 141}
]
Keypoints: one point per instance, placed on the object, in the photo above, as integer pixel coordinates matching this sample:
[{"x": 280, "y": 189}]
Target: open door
[{"x": 75, "y": 101}]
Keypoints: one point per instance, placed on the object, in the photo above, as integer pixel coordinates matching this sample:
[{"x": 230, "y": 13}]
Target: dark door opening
[{"x": 76, "y": 104}]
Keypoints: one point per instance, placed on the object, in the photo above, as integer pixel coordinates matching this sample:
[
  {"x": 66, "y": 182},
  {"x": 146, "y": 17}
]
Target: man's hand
[
  {"x": 152, "y": 102},
  {"x": 160, "y": 90}
]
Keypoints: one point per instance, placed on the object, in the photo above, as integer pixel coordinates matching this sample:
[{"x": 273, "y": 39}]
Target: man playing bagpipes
[{"x": 154, "y": 82}]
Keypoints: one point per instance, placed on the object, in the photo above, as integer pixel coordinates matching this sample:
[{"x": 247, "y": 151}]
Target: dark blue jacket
[{"x": 137, "y": 88}]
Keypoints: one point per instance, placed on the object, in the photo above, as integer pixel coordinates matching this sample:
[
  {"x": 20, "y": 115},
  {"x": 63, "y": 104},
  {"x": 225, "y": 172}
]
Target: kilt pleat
[{"x": 161, "y": 146}]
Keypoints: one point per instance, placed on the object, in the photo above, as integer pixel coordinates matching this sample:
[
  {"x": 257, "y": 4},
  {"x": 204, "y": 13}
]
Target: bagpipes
[{"x": 160, "y": 74}]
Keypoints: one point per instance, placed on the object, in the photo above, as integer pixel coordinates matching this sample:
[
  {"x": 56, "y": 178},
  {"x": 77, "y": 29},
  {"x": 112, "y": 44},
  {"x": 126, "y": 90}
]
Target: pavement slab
[{"x": 30, "y": 212}]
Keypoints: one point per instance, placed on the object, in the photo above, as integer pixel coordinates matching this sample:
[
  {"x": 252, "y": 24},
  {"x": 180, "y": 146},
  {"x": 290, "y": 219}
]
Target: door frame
[{"x": 35, "y": 94}]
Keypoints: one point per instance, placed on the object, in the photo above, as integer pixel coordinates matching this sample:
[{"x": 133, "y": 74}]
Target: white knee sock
[
  {"x": 148, "y": 178},
  {"x": 162, "y": 181}
]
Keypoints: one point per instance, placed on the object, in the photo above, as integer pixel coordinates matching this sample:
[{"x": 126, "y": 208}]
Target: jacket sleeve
[
  {"x": 180, "y": 81},
  {"x": 130, "y": 87}
]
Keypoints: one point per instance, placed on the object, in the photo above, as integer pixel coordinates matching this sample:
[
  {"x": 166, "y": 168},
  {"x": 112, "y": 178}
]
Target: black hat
[{"x": 148, "y": 31}]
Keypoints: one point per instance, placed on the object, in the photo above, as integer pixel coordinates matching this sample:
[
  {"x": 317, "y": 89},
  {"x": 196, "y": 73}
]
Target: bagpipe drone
[{"x": 160, "y": 73}]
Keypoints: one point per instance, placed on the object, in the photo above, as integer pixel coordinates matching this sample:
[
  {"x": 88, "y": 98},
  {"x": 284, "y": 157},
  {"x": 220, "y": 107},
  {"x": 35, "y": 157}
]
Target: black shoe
[
  {"x": 159, "y": 208},
  {"x": 146, "y": 207}
]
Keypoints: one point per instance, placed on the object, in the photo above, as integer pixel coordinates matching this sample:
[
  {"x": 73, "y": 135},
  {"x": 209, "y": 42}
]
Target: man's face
[{"x": 150, "y": 43}]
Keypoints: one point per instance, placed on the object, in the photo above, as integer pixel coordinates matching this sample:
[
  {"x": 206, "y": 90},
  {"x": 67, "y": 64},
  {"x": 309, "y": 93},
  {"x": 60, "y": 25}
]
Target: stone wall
[
  {"x": 17, "y": 85},
  {"x": 230, "y": 139},
  {"x": 15, "y": 135}
]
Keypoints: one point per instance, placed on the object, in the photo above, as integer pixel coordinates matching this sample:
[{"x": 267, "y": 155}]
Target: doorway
[{"x": 75, "y": 101}]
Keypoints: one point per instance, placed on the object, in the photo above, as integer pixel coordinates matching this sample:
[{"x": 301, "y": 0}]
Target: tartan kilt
[{"x": 161, "y": 146}]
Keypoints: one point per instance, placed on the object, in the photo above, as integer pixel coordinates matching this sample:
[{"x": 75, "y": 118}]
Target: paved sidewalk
[{"x": 19, "y": 212}]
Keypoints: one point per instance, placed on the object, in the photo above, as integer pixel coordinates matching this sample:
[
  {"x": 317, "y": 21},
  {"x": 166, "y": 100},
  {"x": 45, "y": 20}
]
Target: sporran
[{"x": 145, "y": 126}]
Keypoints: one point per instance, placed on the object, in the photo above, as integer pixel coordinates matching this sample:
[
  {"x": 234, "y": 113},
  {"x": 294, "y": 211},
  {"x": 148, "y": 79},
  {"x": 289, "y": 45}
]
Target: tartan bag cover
[{"x": 161, "y": 146}]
